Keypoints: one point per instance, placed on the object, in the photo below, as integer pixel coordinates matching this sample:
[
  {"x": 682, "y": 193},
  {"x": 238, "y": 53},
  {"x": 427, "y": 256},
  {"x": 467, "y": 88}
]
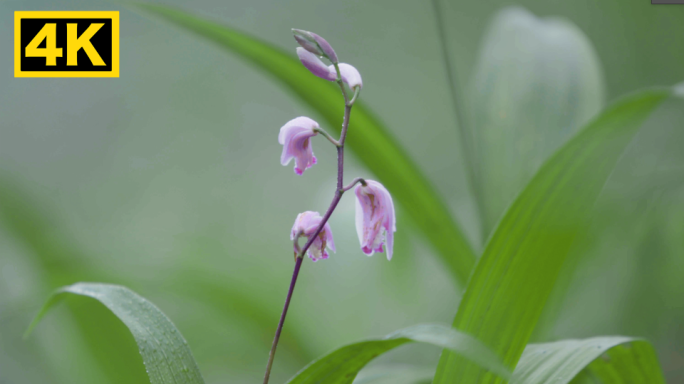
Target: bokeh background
[{"x": 167, "y": 180}]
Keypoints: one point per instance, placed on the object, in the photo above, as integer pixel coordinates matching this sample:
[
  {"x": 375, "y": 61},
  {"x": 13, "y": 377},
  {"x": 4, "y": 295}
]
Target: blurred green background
[{"x": 168, "y": 180}]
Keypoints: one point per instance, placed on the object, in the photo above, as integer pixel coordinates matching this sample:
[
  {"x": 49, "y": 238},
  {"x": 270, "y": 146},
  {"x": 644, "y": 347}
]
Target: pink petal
[
  {"x": 329, "y": 237},
  {"x": 315, "y": 65},
  {"x": 375, "y": 218},
  {"x": 389, "y": 237},
  {"x": 295, "y": 137},
  {"x": 308, "y": 45},
  {"x": 349, "y": 74},
  {"x": 325, "y": 46},
  {"x": 307, "y": 223}
]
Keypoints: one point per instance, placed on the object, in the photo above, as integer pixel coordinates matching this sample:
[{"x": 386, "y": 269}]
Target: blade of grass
[
  {"x": 342, "y": 365},
  {"x": 464, "y": 130},
  {"x": 165, "y": 352},
  {"x": 518, "y": 270},
  {"x": 395, "y": 374},
  {"x": 613, "y": 360},
  {"x": 63, "y": 261}
]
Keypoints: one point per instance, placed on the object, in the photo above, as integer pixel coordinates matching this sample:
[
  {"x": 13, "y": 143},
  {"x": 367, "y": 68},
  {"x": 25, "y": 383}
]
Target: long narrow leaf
[
  {"x": 613, "y": 360},
  {"x": 395, "y": 374},
  {"x": 342, "y": 365},
  {"x": 522, "y": 259},
  {"x": 368, "y": 137},
  {"x": 63, "y": 261},
  {"x": 165, "y": 352}
]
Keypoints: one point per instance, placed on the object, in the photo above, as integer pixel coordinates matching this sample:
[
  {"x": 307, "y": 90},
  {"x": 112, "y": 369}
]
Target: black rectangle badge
[{"x": 66, "y": 44}]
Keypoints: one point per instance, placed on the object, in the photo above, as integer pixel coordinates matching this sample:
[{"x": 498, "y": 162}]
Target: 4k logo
[{"x": 66, "y": 44}]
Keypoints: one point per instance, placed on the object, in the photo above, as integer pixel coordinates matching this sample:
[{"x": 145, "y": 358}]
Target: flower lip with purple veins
[
  {"x": 375, "y": 218},
  {"x": 295, "y": 137},
  {"x": 305, "y": 225}
]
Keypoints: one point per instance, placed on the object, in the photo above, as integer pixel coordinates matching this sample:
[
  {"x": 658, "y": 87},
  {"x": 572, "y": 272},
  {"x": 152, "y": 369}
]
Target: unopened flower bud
[
  {"x": 308, "y": 45},
  {"x": 315, "y": 65},
  {"x": 327, "y": 49},
  {"x": 315, "y": 44}
]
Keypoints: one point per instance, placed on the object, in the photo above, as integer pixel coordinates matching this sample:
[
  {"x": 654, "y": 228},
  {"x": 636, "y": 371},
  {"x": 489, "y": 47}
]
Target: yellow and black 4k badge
[{"x": 66, "y": 44}]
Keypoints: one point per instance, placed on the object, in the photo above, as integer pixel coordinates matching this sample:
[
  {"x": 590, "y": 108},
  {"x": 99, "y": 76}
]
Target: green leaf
[
  {"x": 395, "y": 374},
  {"x": 342, "y": 365},
  {"x": 520, "y": 264},
  {"x": 368, "y": 138},
  {"x": 536, "y": 82},
  {"x": 54, "y": 251},
  {"x": 62, "y": 261},
  {"x": 612, "y": 360},
  {"x": 165, "y": 352}
]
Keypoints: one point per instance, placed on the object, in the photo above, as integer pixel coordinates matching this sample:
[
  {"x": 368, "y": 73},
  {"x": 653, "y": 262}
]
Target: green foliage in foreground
[
  {"x": 516, "y": 274},
  {"x": 168, "y": 358},
  {"x": 597, "y": 360},
  {"x": 165, "y": 352},
  {"x": 342, "y": 365}
]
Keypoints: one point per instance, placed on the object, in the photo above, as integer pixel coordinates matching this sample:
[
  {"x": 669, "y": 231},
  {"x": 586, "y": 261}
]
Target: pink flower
[
  {"x": 305, "y": 225},
  {"x": 375, "y": 219},
  {"x": 315, "y": 65},
  {"x": 295, "y": 137}
]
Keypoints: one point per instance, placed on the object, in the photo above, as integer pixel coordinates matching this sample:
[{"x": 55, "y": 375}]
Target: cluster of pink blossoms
[{"x": 375, "y": 218}]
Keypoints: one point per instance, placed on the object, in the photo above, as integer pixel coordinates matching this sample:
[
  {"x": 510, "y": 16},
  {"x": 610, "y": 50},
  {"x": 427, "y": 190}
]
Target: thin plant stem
[
  {"x": 339, "y": 191},
  {"x": 467, "y": 141},
  {"x": 271, "y": 355},
  {"x": 327, "y": 136},
  {"x": 340, "y": 83},
  {"x": 357, "y": 90},
  {"x": 353, "y": 183}
]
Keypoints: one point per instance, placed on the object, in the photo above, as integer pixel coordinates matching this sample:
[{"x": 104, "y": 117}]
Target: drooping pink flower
[
  {"x": 295, "y": 137},
  {"x": 350, "y": 75},
  {"x": 315, "y": 65},
  {"x": 305, "y": 225},
  {"x": 375, "y": 219}
]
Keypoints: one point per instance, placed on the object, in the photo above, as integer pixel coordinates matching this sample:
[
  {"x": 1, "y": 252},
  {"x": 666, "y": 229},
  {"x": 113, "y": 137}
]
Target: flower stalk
[
  {"x": 271, "y": 356},
  {"x": 353, "y": 183},
  {"x": 295, "y": 136},
  {"x": 339, "y": 191}
]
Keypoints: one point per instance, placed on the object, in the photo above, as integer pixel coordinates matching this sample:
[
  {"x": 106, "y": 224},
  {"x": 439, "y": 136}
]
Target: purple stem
[
  {"x": 271, "y": 355},
  {"x": 354, "y": 182},
  {"x": 333, "y": 204},
  {"x": 340, "y": 180}
]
